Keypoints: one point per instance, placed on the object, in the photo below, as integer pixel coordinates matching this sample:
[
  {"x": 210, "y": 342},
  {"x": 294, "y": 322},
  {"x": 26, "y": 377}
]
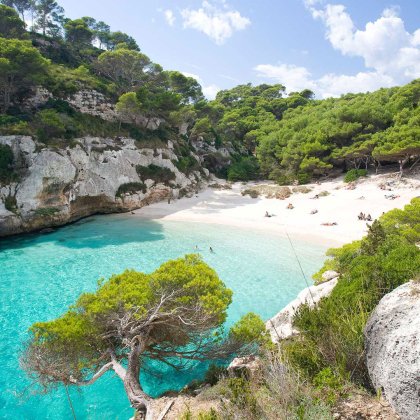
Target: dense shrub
[
  {"x": 131, "y": 188},
  {"x": 46, "y": 211},
  {"x": 244, "y": 169},
  {"x": 187, "y": 164},
  {"x": 10, "y": 203},
  {"x": 332, "y": 335},
  {"x": 354, "y": 174},
  {"x": 156, "y": 173},
  {"x": 6, "y": 162},
  {"x": 50, "y": 124}
]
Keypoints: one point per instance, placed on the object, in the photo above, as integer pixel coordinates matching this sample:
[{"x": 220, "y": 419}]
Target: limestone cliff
[{"x": 56, "y": 186}]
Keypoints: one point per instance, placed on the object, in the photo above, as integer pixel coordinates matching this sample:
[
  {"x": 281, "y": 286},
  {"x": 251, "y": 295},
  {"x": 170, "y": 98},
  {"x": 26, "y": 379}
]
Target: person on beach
[
  {"x": 290, "y": 206},
  {"x": 369, "y": 218}
]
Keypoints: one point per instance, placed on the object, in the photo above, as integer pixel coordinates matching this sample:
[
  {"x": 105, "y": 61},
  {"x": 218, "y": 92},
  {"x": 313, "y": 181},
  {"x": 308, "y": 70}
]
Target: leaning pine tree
[{"x": 173, "y": 315}]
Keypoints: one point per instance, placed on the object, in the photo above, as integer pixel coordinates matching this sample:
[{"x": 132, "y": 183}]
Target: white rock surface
[
  {"x": 392, "y": 339},
  {"x": 81, "y": 180},
  {"x": 280, "y": 326},
  {"x": 329, "y": 275}
]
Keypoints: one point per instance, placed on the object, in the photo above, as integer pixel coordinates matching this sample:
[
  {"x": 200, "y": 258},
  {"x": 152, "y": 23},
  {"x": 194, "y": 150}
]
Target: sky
[{"x": 332, "y": 47}]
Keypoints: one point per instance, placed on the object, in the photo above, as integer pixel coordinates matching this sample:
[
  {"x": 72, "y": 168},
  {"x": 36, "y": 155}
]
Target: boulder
[
  {"x": 329, "y": 275},
  {"x": 244, "y": 366},
  {"x": 280, "y": 326},
  {"x": 392, "y": 340}
]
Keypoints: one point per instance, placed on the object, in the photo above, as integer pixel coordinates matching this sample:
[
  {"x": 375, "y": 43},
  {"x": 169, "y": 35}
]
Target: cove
[{"x": 40, "y": 275}]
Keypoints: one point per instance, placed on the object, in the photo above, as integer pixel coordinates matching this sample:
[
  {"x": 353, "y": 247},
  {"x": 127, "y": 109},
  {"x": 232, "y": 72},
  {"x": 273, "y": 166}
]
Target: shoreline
[{"x": 340, "y": 205}]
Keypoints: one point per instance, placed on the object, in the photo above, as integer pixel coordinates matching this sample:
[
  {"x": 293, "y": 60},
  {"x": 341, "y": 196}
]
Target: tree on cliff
[
  {"x": 49, "y": 17},
  {"x": 126, "y": 68},
  {"x": 11, "y": 26},
  {"x": 174, "y": 315},
  {"x": 78, "y": 32},
  {"x": 21, "y": 66}
]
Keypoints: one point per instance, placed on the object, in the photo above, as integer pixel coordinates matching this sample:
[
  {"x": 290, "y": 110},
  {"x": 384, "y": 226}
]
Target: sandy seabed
[{"x": 341, "y": 206}]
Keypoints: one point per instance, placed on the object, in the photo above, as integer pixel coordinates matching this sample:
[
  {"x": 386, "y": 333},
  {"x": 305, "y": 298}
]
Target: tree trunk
[{"x": 138, "y": 399}]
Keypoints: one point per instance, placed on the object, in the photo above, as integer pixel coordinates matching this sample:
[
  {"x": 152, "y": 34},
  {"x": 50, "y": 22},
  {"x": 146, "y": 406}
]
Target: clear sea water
[{"x": 40, "y": 275}]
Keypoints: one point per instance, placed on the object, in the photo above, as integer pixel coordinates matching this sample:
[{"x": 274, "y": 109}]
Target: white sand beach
[{"x": 340, "y": 206}]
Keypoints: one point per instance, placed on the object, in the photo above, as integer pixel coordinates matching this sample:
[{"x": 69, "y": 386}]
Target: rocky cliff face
[
  {"x": 393, "y": 349},
  {"x": 96, "y": 175}
]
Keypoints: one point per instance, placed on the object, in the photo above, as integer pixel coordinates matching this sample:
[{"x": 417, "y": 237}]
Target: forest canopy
[{"x": 250, "y": 131}]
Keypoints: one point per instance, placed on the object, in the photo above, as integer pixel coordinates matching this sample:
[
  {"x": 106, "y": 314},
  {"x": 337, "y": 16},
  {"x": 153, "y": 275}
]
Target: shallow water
[{"x": 40, "y": 275}]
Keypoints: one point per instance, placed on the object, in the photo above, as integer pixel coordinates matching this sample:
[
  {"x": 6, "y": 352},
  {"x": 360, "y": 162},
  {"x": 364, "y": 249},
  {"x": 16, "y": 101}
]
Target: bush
[
  {"x": 245, "y": 169},
  {"x": 156, "y": 173},
  {"x": 214, "y": 373},
  {"x": 303, "y": 178},
  {"x": 46, "y": 211},
  {"x": 187, "y": 164},
  {"x": 131, "y": 188},
  {"x": 329, "y": 384},
  {"x": 251, "y": 192},
  {"x": 10, "y": 203},
  {"x": 50, "y": 124},
  {"x": 354, "y": 174},
  {"x": 6, "y": 162}
]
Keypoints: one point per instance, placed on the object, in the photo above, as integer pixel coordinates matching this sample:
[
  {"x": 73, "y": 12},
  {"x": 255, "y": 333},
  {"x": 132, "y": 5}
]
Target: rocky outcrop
[
  {"x": 244, "y": 366},
  {"x": 392, "y": 339},
  {"x": 91, "y": 102},
  {"x": 57, "y": 186},
  {"x": 280, "y": 326},
  {"x": 94, "y": 103},
  {"x": 329, "y": 275}
]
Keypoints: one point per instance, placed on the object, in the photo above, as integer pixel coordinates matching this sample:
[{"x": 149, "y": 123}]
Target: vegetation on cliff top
[{"x": 285, "y": 137}]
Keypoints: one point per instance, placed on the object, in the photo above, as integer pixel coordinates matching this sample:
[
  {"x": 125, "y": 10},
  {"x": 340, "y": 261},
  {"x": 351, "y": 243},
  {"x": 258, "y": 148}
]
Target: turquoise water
[{"x": 40, "y": 275}]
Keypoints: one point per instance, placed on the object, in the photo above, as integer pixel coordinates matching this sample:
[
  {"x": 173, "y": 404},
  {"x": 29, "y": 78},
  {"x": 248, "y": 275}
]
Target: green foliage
[
  {"x": 244, "y": 170},
  {"x": 49, "y": 17},
  {"x": 126, "y": 69},
  {"x": 131, "y": 188},
  {"x": 46, "y": 211},
  {"x": 21, "y": 66},
  {"x": 6, "y": 162},
  {"x": 78, "y": 32},
  {"x": 157, "y": 173},
  {"x": 318, "y": 136},
  {"x": 50, "y": 124},
  {"x": 404, "y": 222},
  {"x": 250, "y": 329},
  {"x": 214, "y": 373},
  {"x": 332, "y": 334},
  {"x": 187, "y": 164},
  {"x": 78, "y": 339},
  {"x": 354, "y": 174},
  {"x": 187, "y": 87},
  {"x": 63, "y": 81},
  {"x": 329, "y": 384},
  {"x": 11, "y": 26},
  {"x": 10, "y": 203},
  {"x": 241, "y": 395}
]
